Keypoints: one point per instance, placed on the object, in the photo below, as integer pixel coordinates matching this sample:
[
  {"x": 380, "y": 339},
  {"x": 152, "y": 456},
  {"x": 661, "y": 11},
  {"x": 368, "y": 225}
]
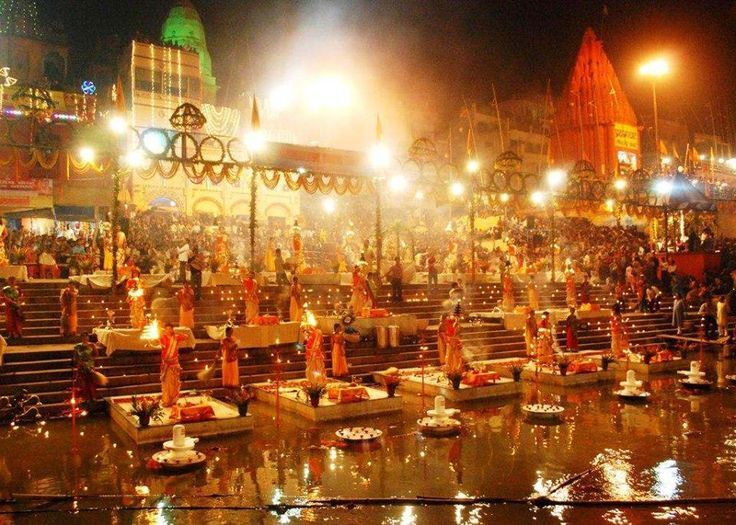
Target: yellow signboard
[{"x": 626, "y": 136}]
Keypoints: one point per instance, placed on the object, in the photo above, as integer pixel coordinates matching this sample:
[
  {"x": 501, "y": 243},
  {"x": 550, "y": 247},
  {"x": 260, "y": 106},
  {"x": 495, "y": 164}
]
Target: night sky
[{"x": 429, "y": 54}]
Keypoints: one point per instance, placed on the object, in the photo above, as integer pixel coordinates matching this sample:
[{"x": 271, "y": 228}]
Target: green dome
[{"x": 184, "y": 28}]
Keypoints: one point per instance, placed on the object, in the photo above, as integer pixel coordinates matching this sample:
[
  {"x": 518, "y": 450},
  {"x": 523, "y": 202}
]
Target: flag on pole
[
  {"x": 663, "y": 148},
  {"x": 379, "y": 128},
  {"x": 694, "y": 157},
  {"x": 255, "y": 116},
  {"x": 674, "y": 152},
  {"x": 471, "y": 143},
  {"x": 118, "y": 97}
]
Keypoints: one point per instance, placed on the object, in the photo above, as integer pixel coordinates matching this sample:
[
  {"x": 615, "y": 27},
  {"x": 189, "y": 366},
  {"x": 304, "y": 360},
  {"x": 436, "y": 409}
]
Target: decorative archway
[{"x": 207, "y": 205}]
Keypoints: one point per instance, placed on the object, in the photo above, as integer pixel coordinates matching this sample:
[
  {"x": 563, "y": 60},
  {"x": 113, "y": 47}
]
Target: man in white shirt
[{"x": 183, "y": 257}]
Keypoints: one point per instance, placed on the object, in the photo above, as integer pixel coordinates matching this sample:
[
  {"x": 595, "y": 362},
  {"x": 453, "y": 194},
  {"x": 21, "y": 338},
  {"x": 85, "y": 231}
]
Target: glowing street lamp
[
  {"x": 457, "y": 189},
  {"x": 556, "y": 178},
  {"x": 380, "y": 156},
  {"x": 329, "y": 205},
  {"x": 255, "y": 141},
  {"x": 655, "y": 69},
  {"x": 538, "y": 198},
  {"x": 117, "y": 125},
  {"x": 133, "y": 159},
  {"x": 87, "y": 154},
  {"x": 398, "y": 184}
]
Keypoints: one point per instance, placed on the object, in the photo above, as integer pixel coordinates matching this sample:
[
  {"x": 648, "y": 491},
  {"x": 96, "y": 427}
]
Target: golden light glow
[
  {"x": 380, "y": 155},
  {"x": 329, "y": 205},
  {"x": 151, "y": 331},
  {"x": 655, "y": 68},
  {"x": 555, "y": 178},
  {"x": 117, "y": 125},
  {"x": 311, "y": 320},
  {"x": 328, "y": 92},
  {"x": 255, "y": 141},
  {"x": 87, "y": 154},
  {"x": 398, "y": 184},
  {"x": 457, "y": 189},
  {"x": 538, "y": 198},
  {"x": 134, "y": 159},
  {"x": 504, "y": 197},
  {"x": 620, "y": 184},
  {"x": 473, "y": 166}
]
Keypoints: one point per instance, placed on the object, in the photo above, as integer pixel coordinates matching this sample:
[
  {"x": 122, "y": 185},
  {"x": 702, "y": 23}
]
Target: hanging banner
[{"x": 625, "y": 136}]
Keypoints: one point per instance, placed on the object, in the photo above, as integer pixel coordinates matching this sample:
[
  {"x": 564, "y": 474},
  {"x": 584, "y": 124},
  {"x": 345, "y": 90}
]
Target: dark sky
[{"x": 430, "y": 54}]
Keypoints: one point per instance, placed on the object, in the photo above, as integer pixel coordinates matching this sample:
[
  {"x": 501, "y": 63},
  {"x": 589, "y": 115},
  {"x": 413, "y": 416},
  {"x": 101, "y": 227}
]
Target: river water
[{"x": 678, "y": 449}]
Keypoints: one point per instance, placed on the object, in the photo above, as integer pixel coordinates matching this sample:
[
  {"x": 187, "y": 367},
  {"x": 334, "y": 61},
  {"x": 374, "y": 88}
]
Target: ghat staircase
[{"x": 44, "y": 363}]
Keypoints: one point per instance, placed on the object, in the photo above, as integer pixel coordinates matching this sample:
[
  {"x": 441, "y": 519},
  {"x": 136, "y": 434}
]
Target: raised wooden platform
[
  {"x": 291, "y": 399},
  {"x": 435, "y": 384},
  {"x": 227, "y": 421}
]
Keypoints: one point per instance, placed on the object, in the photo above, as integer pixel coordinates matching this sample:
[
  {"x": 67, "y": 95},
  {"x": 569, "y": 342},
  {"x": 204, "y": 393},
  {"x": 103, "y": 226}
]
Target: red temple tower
[{"x": 594, "y": 120}]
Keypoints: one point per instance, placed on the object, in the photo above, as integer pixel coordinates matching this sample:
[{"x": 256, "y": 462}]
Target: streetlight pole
[
  {"x": 656, "y": 123},
  {"x": 655, "y": 69},
  {"x": 114, "y": 221}
]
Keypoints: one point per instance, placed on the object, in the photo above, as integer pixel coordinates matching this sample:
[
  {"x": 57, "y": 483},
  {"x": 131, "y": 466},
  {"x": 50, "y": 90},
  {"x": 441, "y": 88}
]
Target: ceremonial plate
[
  {"x": 441, "y": 426},
  {"x": 696, "y": 385},
  {"x": 191, "y": 458},
  {"x": 641, "y": 396},
  {"x": 358, "y": 433},
  {"x": 539, "y": 409}
]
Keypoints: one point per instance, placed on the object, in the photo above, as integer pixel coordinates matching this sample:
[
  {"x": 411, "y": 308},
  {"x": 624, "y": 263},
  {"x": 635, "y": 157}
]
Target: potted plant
[
  {"x": 145, "y": 409},
  {"x": 455, "y": 377},
  {"x": 607, "y": 359},
  {"x": 516, "y": 370},
  {"x": 563, "y": 363},
  {"x": 241, "y": 398},
  {"x": 314, "y": 392},
  {"x": 392, "y": 382}
]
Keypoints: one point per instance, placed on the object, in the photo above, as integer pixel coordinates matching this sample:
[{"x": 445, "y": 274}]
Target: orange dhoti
[
  {"x": 442, "y": 347},
  {"x": 295, "y": 310},
  {"x": 454, "y": 357},
  {"x": 339, "y": 361},
  {"x": 186, "y": 317},
  {"x": 170, "y": 383},
  {"x": 251, "y": 309},
  {"x": 230, "y": 374}
]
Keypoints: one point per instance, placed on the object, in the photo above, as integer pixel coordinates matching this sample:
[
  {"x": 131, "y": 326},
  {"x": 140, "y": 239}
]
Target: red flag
[{"x": 118, "y": 97}]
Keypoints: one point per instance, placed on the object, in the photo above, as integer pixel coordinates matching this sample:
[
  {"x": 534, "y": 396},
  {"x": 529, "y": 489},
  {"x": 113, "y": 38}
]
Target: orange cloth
[
  {"x": 196, "y": 413},
  {"x": 186, "y": 307},
  {"x": 480, "y": 379},
  {"x": 582, "y": 367},
  {"x": 252, "y": 302},
  {"x": 339, "y": 361},
  {"x": 68, "y": 300},
  {"x": 230, "y": 355},
  {"x": 170, "y": 369}
]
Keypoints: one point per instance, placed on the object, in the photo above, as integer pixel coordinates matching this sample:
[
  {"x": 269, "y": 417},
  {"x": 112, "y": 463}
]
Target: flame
[
  {"x": 151, "y": 331},
  {"x": 311, "y": 320}
]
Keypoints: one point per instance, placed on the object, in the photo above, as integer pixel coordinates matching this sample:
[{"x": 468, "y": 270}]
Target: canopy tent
[{"x": 58, "y": 213}]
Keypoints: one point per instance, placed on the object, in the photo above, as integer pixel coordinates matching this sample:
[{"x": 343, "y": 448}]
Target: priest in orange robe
[
  {"x": 186, "y": 305},
  {"x": 339, "y": 360},
  {"x": 230, "y": 354},
  {"x": 68, "y": 300},
  {"x": 170, "y": 368},
  {"x": 252, "y": 301}
]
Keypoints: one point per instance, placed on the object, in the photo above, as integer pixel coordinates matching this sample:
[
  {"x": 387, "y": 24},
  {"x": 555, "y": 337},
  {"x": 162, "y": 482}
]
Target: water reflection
[{"x": 661, "y": 450}]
